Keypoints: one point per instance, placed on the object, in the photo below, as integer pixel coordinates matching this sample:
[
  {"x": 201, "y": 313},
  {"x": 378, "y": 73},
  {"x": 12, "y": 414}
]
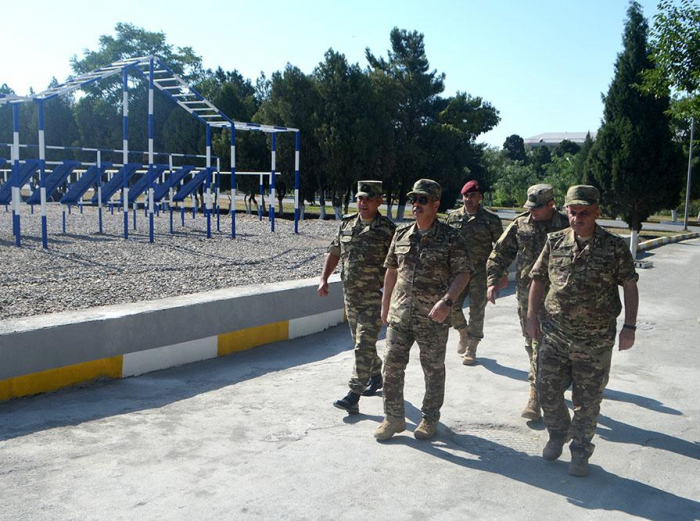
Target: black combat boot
[
  {"x": 375, "y": 383},
  {"x": 349, "y": 403}
]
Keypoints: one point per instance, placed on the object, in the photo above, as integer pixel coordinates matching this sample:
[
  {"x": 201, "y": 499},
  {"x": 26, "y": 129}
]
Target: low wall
[{"x": 47, "y": 352}]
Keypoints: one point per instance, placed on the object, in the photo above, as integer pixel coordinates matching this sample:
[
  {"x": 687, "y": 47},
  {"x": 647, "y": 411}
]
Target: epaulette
[
  {"x": 349, "y": 216},
  {"x": 526, "y": 213},
  {"x": 557, "y": 234}
]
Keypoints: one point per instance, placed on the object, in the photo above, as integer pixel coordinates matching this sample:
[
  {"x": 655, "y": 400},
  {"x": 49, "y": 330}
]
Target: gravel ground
[{"x": 83, "y": 269}]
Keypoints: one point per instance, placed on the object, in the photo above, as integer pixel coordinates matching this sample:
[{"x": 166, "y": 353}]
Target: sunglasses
[{"x": 420, "y": 199}]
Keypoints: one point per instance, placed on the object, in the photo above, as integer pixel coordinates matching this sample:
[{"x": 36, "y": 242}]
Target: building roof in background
[{"x": 554, "y": 138}]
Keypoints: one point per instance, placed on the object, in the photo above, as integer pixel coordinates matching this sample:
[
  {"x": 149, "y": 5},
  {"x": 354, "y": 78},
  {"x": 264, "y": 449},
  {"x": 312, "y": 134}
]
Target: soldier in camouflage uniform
[
  {"x": 427, "y": 268},
  {"x": 524, "y": 239},
  {"x": 362, "y": 243},
  {"x": 481, "y": 229},
  {"x": 584, "y": 266}
]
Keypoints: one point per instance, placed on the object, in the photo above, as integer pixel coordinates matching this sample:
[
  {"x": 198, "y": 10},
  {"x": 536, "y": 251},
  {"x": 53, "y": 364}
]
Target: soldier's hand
[
  {"x": 626, "y": 339},
  {"x": 533, "y": 329},
  {"x": 492, "y": 294},
  {"x": 385, "y": 315},
  {"x": 439, "y": 312},
  {"x": 323, "y": 288}
]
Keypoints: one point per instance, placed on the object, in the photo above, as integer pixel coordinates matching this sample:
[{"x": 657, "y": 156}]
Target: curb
[{"x": 655, "y": 243}]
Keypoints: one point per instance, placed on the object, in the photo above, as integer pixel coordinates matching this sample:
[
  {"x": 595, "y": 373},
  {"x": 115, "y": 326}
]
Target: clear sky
[{"x": 543, "y": 64}]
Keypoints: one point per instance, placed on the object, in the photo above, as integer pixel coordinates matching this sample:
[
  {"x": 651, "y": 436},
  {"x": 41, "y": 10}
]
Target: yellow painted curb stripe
[
  {"x": 52, "y": 379},
  {"x": 252, "y": 337}
]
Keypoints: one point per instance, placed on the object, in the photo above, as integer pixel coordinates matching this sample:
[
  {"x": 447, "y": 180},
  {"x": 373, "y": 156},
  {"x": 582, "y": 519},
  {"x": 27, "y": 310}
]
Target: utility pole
[{"x": 690, "y": 172}]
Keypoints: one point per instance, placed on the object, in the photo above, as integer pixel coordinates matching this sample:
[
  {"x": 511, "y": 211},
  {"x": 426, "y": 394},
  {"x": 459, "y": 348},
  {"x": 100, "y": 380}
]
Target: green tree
[
  {"x": 566, "y": 147},
  {"x": 539, "y": 157},
  {"x": 675, "y": 51},
  {"x": 514, "y": 148},
  {"x": 634, "y": 160},
  {"x": 508, "y": 179},
  {"x": 417, "y": 89},
  {"x": 561, "y": 174},
  {"x": 291, "y": 98}
]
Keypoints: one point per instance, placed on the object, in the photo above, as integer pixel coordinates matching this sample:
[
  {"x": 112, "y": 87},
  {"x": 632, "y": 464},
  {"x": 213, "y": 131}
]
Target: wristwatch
[{"x": 447, "y": 301}]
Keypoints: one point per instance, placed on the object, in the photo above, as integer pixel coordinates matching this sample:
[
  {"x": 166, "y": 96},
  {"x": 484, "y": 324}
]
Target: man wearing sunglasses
[
  {"x": 523, "y": 240},
  {"x": 481, "y": 229},
  {"x": 362, "y": 243},
  {"x": 427, "y": 268}
]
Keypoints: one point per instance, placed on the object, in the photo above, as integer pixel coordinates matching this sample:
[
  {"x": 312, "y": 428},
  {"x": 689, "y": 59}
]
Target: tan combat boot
[
  {"x": 389, "y": 427},
  {"x": 470, "y": 356},
  {"x": 532, "y": 409},
  {"x": 425, "y": 430},
  {"x": 463, "y": 341}
]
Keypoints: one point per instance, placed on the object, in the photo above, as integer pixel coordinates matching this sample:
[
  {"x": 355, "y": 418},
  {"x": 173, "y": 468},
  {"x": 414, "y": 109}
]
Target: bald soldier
[
  {"x": 584, "y": 266},
  {"x": 362, "y": 244},
  {"x": 481, "y": 229},
  {"x": 523, "y": 240}
]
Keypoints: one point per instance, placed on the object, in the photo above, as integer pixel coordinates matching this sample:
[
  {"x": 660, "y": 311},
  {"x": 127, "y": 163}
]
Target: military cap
[
  {"x": 538, "y": 195},
  {"x": 471, "y": 186},
  {"x": 426, "y": 187},
  {"x": 369, "y": 188},
  {"x": 582, "y": 195}
]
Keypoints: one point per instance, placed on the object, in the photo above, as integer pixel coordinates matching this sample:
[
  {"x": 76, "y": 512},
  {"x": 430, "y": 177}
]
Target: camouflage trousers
[
  {"x": 365, "y": 323},
  {"x": 584, "y": 361},
  {"x": 432, "y": 341},
  {"x": 476, "y": 290},
  {"x": 522, "y": 293}
]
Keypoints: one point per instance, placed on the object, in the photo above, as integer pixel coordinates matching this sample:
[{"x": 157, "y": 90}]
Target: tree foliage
[
  {"x": 514, "y": 148},
  {"x": 675, "y": 50},
  {"x": 634, "y": 160}
]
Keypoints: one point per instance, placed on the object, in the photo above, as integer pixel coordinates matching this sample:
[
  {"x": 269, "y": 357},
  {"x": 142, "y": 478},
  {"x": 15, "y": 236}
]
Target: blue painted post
[
  {"x": 151, "y": 186},
  {"x": 262, "y": 195},
  {"x": 64, "y": 218},
  {"x": 272, "y": 183},
  {"x": 218, "y": 193},
  {"x": 125, "y": 149},
  {"x": 207, "y": 194},
  {"x": 232, "y": 210},
  {"x": 42, "y": 174},
  {"x": 297, "y": 136},
  {"x": 15, "y": 176},
  {"x": 99, "y": 190}
]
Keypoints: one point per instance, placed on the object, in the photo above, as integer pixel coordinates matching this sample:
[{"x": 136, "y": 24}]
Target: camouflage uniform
[
  {"x": 426, "y": 265},
  {"x": 524, "y": 240},
  {"x": 480, "y": 230},
  {"x": 362, "y": 248},
  {"x": 578, "y": 331}
]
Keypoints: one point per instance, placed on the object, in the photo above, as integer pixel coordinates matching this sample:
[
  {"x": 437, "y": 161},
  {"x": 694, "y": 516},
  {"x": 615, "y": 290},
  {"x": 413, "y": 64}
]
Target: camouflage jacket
[
  {"x": 480, "y": 230},
  {"x": 524, "y": 239},
  {"x": 583, "y": 295},
  {"x": 362, "y": 249},
  {"x": 427, "y": 265}
]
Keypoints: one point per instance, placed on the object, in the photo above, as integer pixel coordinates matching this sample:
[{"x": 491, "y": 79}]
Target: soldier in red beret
[{"x": 481, "y": 229}]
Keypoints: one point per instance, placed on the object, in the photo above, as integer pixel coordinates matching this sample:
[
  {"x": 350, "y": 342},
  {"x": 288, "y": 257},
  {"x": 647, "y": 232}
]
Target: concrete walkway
[{"x": 254, "y": 435}]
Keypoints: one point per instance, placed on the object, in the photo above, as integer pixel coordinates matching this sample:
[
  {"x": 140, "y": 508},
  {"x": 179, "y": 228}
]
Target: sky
[{"x": 542, "y": 64}]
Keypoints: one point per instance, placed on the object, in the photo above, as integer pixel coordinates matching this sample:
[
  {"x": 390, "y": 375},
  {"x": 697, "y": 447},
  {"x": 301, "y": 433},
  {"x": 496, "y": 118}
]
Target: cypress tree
[{"x": 634, "y": 160}]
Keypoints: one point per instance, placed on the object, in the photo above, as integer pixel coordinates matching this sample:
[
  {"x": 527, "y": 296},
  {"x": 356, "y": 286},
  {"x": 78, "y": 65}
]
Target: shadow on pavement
[
  {"x": 602, "y": 490},
  {"x": 96, "y": 400}
]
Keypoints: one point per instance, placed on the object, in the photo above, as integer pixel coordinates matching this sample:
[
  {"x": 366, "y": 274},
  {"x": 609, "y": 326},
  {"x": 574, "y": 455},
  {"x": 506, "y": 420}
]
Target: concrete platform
[{"x": 254, "y": 435}]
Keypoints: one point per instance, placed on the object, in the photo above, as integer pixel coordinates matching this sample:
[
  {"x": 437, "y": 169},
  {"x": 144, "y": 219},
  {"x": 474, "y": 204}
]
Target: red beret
[{"x": 471, "y": 186}]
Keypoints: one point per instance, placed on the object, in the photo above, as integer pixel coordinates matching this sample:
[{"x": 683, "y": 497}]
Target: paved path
[{"x": 254, "y": 435}]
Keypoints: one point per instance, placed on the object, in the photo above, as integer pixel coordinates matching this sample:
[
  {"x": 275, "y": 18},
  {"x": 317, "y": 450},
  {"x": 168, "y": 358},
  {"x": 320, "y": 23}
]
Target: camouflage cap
[
  {"x": 369, "y": 188},
  {"x": 539, "y": 195},
  {"x": 582, "y": 195},
  {"x": 426, "y": 187}
]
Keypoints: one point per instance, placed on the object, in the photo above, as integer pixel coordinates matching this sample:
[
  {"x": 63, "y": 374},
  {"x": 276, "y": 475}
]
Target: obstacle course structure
[{"x": 159, "y": 77}]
